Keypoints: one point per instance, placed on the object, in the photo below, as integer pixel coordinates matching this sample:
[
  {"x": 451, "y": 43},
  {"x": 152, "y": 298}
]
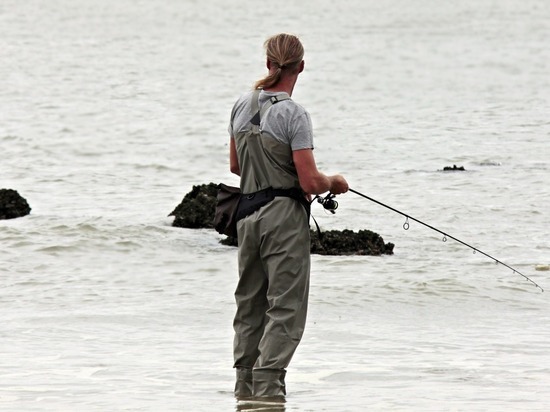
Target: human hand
[{"x": 338, "y": 185}]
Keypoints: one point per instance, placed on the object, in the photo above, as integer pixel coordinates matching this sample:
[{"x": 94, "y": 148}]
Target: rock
[
  {"x": 197, "y": 208},
  {"x": 197, "y": 211},
  {"x": 12, "y": 204},
  {"x": 341, "y": 242},
  {"x": 454, "y": 168},
  {"x": 348, "y": 242}
]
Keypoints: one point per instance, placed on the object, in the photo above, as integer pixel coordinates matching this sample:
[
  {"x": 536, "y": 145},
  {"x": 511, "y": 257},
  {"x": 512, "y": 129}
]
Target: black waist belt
[{"x": 251, "y": 202}]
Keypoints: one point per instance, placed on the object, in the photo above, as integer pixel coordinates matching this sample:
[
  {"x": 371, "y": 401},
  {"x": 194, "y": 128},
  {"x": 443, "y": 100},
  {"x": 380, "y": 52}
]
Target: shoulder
[
  {"x": 297, "y": 108},
  {"x": 242, "y": 102},
  {"x": 244, "y": 98},
  {"x": 289, "y": 107}
]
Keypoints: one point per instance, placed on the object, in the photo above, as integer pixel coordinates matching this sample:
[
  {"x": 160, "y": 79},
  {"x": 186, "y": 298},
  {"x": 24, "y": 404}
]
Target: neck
[{"x": 286, "y": 84}]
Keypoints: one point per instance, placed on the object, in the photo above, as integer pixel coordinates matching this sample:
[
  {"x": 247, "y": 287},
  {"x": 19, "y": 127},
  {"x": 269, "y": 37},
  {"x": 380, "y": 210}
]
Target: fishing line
[{"x": 445, "y": 235}]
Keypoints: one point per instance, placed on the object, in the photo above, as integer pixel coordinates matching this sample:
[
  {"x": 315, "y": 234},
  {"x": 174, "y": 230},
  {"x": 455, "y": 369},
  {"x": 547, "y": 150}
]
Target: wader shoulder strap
[
  {"x": 254, "y": 105},
  {"x": 255, "y": 111}
]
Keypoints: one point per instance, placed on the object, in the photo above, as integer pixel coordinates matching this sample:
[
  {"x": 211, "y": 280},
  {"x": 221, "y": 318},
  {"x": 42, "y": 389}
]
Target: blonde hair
[{"x": 286, "y": 52}]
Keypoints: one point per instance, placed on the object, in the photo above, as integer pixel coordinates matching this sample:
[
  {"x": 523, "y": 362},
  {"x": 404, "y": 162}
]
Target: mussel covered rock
[
  {"x": 197, "y": 209},
  {"x": 12, "y": 204},
  {"x": 348, "y": 242}
]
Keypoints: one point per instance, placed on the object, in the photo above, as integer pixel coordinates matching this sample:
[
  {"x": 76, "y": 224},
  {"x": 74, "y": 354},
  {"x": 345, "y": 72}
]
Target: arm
[
  {"x": 311, "y": 180},
  {"x": 233, "y": 159}
]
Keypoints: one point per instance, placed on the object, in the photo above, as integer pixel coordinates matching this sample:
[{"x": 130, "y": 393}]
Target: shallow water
[{"x": 111, "y": 111}]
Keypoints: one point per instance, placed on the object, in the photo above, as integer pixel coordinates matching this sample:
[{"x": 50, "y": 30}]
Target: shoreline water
[{"x": 112, "y": 112}]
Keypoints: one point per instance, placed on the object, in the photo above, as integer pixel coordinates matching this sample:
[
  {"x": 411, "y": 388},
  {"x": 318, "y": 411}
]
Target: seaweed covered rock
[
  {"x": 342, "y": 242},
  {"x": 454, "y": 168},
  {"x": 229, "y": 241},
  {"x": 12, "y": 204},
  {"x": 348, "y": 242},
  {"x": 197, "y": 208}
]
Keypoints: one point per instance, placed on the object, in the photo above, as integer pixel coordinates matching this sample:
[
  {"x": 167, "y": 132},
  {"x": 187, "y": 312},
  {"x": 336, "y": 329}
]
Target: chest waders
[{"x": 274, "y": 261}]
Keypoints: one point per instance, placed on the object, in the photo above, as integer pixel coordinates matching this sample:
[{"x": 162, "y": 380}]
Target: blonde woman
[{"x": 271, "y": 149}]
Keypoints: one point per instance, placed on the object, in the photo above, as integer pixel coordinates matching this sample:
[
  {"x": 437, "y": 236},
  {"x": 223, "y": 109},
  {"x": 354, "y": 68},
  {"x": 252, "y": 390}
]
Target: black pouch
[
  {"x": 225, "y": 216},
  {"x": 254, "y": 201}
]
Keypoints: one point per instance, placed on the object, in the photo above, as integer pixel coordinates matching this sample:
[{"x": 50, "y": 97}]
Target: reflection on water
[{"x": 260, "y": 405}]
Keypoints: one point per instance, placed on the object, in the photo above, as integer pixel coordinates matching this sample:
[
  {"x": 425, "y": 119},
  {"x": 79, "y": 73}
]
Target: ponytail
[
  {"x": 269, "y": 80},
  {"x": 286, "y": 52}
]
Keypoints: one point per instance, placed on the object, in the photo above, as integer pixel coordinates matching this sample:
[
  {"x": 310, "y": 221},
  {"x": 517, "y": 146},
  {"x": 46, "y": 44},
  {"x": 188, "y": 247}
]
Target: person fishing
[{"x": 271, "y": 149}]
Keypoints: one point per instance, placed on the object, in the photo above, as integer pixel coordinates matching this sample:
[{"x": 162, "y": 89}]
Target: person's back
[
  {"x": 265, "y": 149},
  {"x": 271, "y": 149}
]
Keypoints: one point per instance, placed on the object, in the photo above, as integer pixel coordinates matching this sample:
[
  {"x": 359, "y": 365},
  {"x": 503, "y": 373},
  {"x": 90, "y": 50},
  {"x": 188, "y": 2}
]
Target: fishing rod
[{"x": 330, "y": 204}]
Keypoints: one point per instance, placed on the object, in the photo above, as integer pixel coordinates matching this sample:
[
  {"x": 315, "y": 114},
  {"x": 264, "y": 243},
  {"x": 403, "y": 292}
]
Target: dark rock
[
  {"x": 345, "y": 242},
  {"x": 348, "y": 242},
  {"x": 454, "y": 168},
  {"x": 229, "y": 241},
  {"x": 12, "y": 205},
  {"x": 197, "y": 211},
  {"x": 197, "y": 208}
]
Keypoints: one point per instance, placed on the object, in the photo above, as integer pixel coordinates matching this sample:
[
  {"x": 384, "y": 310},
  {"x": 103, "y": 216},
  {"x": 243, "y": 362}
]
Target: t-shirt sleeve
[
  {"x": 301, "y": 136},
  {"x": 230, "y": 126}
]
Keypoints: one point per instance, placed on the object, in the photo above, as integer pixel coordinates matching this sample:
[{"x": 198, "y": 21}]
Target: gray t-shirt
[{"x": 286, "y": 121}]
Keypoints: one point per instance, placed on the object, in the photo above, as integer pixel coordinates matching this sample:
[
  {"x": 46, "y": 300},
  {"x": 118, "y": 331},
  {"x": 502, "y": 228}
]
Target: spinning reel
[{"x": 328, "y": 202}]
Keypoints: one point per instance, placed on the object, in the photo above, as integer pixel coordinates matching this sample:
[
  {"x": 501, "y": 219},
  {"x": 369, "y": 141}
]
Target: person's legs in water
[
  {"x": 285, "y": 253},
  {"x": 251, "y": 299}
]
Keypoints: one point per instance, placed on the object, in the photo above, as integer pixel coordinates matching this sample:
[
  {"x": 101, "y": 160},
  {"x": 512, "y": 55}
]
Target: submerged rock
[
  {"x": 341, "y": 242},
  {"x": 197, "y": 208},
  {"x": 12, "y": 204},
  {"x": 348, "y": 242},
  {"x": 454, "y": 168}
]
